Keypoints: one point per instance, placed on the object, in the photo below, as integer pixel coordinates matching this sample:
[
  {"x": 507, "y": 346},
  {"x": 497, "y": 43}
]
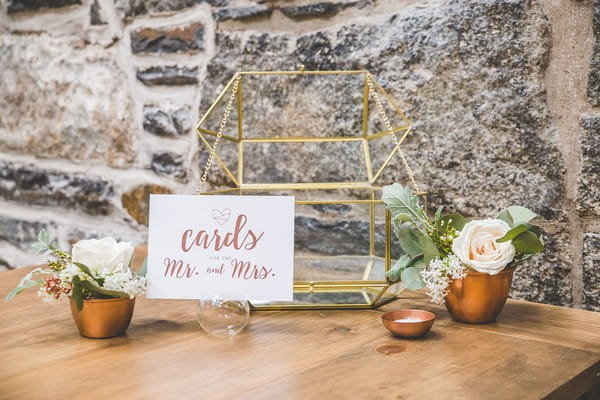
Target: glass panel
[
  {"x": 302, "y": 162},
  {"x": 302, "y": 105}
]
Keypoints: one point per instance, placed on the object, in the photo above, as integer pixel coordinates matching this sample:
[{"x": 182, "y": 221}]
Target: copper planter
[
  {"x": 478, "y": 298},
  {"x": 103, "y": 318}
]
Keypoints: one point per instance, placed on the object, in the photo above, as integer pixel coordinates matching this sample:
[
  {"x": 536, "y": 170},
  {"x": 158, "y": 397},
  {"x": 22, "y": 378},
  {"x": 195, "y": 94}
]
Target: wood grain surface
[{"x": 533, "y": 351}]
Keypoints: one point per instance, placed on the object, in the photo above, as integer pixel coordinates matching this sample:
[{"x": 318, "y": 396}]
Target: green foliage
[
  {"x": 100, "y": 291},
  {"x": 409, "y": 239},
  {"x": 456, "y": 220},
  {"x": 395, "y": 272},
  {"x": 423, "y": 240},
  {"x": 525, "y": 237},
  {"x": 401, "y": 201},
  {"x": 528, "y": 243},
  {"x": 430, "y": 251},
  {"x": 26, "y": 283},
  {"x": 144, "y": 268},
  {"x": 411, "y": 277},
  {"x": 19, "y": 289},
  {"x": 77, "y": 292}
]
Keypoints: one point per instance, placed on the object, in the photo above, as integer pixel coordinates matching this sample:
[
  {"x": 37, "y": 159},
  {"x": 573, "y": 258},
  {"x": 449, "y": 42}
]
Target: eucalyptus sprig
[{"x": 423, "y": 239}]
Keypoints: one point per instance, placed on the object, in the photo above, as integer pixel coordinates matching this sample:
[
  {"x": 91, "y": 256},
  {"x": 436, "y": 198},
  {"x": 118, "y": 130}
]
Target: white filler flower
[
  {"x": 477, "y": 248},
  {"x": 105, "y": 254}
]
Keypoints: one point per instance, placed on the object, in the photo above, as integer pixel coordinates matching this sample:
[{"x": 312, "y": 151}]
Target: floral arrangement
[
  {"x": 444, "y": 248},
  {"x": 95, "y": 269}
]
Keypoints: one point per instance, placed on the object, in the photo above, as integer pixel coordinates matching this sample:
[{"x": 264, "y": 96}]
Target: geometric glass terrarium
[{"x": 324, "y": 137}]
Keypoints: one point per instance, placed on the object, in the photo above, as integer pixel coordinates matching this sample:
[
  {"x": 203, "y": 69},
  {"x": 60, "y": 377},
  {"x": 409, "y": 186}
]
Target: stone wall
[{"x": 99, "y": 99}]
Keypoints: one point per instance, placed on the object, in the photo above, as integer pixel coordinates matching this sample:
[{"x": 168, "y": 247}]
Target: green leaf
[
  {"x": 43, "y": 236},
  {"x": 430, "y": 251},
  {"x": 144, "y": 268},
  {"x": 39, "y": 247},
  {"x": 89, "y": 285},
  {"x": 411, "y": 278},
  {"x": 408, "y": 237},
  {"x": 505, "y": 216},
  {"x": 77, "y": 292},
  {"x": 394, "y": 272},
  {"x": 438, "y": 216},
  {"x": 520, "y": 215},
  {"x": 401, "y": 200},
  {"x": 85, "y": 268},
  {"x": 457, "y": 220},
  {"x": 528, "y": 243},
  {"x": 513, "y": 233},
  {"x": 21, "y": 288}
]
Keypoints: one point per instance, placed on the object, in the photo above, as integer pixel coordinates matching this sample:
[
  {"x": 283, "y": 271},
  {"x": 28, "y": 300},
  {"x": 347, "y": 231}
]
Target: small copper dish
[{"x": 408, "y": 323}]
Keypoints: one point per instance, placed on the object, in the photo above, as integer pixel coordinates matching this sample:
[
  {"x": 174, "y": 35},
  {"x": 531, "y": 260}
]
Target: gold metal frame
[{"x": 378, "y": 288}]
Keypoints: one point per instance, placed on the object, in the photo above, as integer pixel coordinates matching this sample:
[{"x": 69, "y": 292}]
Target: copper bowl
[{"x": 408, "y": 329}]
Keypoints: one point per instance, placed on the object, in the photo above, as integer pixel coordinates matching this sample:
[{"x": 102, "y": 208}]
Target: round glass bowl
[{"x": 223, "y": 314}]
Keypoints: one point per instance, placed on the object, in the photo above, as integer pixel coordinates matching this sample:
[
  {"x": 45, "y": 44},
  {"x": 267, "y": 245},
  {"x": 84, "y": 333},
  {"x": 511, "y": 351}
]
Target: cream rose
[
  {"x": 105, "y": 254},
  {"x": 477, "y": 248}
]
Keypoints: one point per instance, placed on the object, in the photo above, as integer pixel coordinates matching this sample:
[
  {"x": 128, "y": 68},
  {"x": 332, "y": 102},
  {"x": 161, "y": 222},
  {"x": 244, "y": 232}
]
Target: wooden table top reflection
[{"x": 532, "y": 351}]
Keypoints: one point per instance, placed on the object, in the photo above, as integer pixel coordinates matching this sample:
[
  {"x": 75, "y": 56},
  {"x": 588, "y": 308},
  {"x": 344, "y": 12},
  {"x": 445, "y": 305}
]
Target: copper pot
[
  {"x": 478, "y": 298},
  {"x": 103, "y": 318}
]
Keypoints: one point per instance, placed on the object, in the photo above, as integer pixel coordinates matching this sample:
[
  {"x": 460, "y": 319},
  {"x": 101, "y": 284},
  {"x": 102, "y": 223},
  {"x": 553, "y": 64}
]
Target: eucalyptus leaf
[
  {"x": 457, "y": 220},
  {"x": 77, "y": 292},
  {"x": 89, "y": 285},
  {"x": 39, "y": 247},
  {"x": 528, "y": 243},
  {"x": 520, "y": 215},
  {"x": 513, "y": 233},
  {"x": 401, "y": 200},
  {"x": 505, "y": 216},
  {"x": 411, "y": 278},
  {"x": 430, "y": 251},
  {"x": 438, "y": 216},
  {"x": 85, "y": 268},
  {"x": 394, "y": 274},
  {"x": 401, "y": 218},
  {"x": 144, "y": 268},
  {"x": 19, "y": 289},
  {"x": 408, "y": 237}
]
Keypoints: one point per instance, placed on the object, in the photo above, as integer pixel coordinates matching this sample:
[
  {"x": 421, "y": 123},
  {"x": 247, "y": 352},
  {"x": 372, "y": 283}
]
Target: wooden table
[{"x": 533, "y": 351}]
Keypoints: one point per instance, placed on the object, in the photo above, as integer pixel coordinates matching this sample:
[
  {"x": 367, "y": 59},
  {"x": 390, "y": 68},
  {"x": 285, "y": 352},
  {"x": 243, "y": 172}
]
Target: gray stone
[
  {"x": 167, "y": 120},
  {"x": 79, "y": 109},
  {"x": 168, "y": 75},
  {"x": 32, "y": 185},
  {"x": 591, "y": 271},
  {"x": 174, "y": 39},
  {"x": 546, "y": 278},
  {"x": 168, "y": 164},
  {"x": 323, "y": 9},
  {"x": 21, "y": 233},
  {"x": 15, "y": 6},
  {"x": 127, "y": 9},
  {"x": 76, "y": 234},
  {"x": 97, "y": 14},
  {"x": 593, "y": 88},
  {"x": 242, "y": 13},
  {"x": 589, "y": 178}
]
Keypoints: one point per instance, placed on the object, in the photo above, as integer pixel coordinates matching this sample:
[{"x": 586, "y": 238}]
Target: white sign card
[{"x": 203, "y": 244}]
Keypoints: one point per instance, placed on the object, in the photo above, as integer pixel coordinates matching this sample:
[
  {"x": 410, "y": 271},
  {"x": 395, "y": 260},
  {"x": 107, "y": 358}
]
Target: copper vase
[
  {"x": 478, "y": 298},
  {"x": 103, "y": 318}
]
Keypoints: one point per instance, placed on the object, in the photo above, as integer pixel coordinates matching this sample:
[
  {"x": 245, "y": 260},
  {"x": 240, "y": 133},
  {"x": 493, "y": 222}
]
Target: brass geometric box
[{"x": 332, "y": 269}]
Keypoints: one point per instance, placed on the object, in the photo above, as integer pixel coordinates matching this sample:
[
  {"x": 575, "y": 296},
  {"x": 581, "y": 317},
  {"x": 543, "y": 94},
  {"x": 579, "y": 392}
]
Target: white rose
[
  {"x": 477, "y": 248},
  {"x": 104, "y": 254}
]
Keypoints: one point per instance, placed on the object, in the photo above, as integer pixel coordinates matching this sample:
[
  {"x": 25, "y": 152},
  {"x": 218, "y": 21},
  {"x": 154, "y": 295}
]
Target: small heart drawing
[{"x": 221, "y": 216}]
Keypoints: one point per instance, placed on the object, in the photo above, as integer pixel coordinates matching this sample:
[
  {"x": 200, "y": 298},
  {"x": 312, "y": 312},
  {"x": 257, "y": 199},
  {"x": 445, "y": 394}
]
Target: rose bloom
[
  {"x": 105, "y": 254},
  {"x": 477, "y": 248}
]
